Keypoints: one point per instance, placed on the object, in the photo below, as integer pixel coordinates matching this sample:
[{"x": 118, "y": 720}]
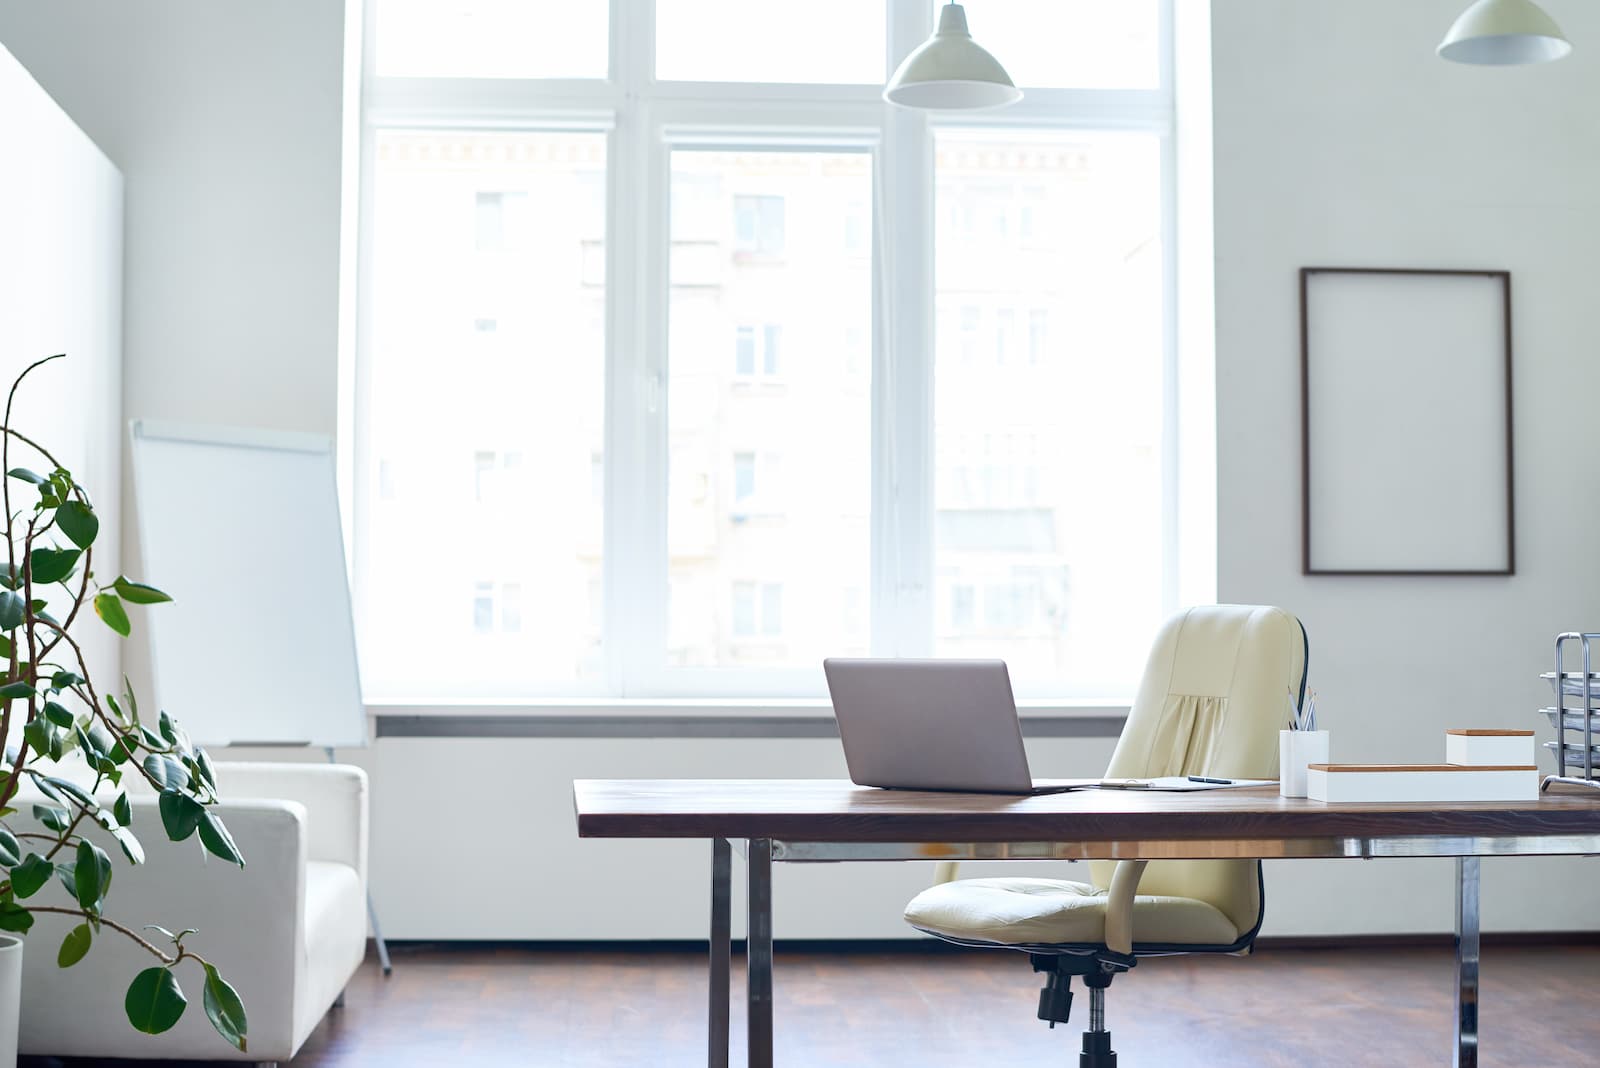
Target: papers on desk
[{"x": 1181, "y": 783}]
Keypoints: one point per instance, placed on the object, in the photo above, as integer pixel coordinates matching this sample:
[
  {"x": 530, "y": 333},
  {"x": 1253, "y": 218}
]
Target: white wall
[
  {"x": 224, "y": 116},
  {"x": 1333, "y": 144},
  {"x": 1341, "y": 140},
  {"x": 61, "y": 291}
]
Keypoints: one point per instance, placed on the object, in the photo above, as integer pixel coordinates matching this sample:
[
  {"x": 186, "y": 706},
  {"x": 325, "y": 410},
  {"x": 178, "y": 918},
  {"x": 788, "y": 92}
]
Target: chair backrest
[{"x": 1215, "y": 694}]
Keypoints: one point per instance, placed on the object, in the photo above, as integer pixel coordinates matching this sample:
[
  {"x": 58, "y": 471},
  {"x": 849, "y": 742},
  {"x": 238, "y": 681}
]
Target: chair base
[
  {"x": 1097, "y": 1051},
  {"x": 1055, "y": 1000}
]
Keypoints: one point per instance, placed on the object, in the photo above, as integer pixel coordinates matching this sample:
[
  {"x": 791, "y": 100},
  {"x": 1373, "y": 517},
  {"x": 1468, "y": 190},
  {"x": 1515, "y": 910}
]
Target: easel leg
[
  {"x": 372, "y": 913},
  {"x": 1466, "y": 1055},
  {"x": 377, "y": 938}
]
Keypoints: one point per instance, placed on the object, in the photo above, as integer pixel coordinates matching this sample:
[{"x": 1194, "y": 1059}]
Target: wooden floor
[{"x": 483, "y": 1007}]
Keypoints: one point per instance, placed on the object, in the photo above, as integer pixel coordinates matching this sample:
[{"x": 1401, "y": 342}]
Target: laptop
[{"x": 933, "y": 725}]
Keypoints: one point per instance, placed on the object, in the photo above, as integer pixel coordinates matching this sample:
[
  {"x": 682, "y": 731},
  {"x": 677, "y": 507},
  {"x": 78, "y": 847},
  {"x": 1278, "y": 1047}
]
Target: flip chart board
[{"x": 242, "y": 528}]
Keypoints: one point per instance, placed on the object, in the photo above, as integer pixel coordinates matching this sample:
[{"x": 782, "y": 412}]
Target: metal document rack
[{"x": 1575, "y": 717}]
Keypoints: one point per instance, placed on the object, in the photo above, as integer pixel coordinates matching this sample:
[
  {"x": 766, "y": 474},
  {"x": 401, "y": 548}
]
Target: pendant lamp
[
  {"x": 950, "y": 71},
  {"x": 1502, "y": 33}
]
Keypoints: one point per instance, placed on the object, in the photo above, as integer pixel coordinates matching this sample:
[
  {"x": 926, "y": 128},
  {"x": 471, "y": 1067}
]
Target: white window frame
[{"x": 643, "y": 120}]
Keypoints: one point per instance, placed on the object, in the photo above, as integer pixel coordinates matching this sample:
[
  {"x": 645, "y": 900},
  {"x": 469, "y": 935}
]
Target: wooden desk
[{"x": 824, "y": 820}]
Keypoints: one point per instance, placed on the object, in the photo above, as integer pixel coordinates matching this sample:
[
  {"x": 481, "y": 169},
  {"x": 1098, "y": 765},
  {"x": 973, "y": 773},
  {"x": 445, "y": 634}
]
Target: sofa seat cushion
[{"x": 1055, "y": 912}]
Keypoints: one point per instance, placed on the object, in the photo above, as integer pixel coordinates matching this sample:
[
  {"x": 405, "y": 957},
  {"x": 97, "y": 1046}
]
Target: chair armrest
[
  {"x": 334, "y": 796},
  {"x": 1119, "y": 905}
]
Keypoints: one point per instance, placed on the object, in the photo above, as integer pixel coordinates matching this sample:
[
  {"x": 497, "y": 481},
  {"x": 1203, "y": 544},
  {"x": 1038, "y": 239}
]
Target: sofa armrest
[{"x": 334, "y": 796}]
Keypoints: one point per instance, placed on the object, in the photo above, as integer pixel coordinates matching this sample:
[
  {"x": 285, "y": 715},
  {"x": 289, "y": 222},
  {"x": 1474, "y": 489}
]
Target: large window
[{"x": 685, "y": 361}]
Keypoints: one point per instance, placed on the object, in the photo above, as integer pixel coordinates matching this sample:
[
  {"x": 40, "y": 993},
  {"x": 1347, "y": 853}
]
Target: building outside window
[
  {"x": 976, "y": 464},
  {"x": 758, "y": 225}
]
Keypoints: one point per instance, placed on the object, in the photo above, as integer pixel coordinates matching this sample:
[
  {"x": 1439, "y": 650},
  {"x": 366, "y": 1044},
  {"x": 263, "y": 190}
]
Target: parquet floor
[{"x": 461, "y": 1006}]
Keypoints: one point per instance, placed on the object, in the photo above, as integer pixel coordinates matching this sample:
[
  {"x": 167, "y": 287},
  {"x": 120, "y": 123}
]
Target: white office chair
[{"x": 1213, "y": 698}]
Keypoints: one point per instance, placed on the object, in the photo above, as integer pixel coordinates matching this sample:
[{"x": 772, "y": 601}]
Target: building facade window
[{"x": 769, "y": 370}]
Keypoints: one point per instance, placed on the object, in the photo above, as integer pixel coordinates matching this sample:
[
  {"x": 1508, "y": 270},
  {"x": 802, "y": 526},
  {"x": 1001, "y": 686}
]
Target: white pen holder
[{"x": 1296, "y": 749}]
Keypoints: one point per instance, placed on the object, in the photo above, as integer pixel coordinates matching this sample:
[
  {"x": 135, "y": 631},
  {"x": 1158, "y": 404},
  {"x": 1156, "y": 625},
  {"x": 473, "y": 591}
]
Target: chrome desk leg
[
  {"x": 1466, "y": 962},
  {"x": 721, "y": 917},
  {"x": 758, "y": 865}
]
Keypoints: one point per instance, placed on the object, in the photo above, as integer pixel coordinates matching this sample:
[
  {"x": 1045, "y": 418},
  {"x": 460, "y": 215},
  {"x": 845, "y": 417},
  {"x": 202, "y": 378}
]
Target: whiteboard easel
[{"x": 241, "y": 528}]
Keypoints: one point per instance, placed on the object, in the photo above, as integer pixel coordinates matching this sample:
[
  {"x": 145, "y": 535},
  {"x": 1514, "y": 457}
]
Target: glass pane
[
  {"x": 492, "y": 38},
  {"x": 1048, "y": 404},
  {"x": 769, "y": 485},
  {"x": 834, "y": 41},
  {"x": 1072, "y": 44},
  {"x": 484, "y": 414}
]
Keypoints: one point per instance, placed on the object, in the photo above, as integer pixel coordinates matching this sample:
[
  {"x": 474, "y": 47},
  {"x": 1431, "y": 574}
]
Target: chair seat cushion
[{"x": 1055, "y": 912}]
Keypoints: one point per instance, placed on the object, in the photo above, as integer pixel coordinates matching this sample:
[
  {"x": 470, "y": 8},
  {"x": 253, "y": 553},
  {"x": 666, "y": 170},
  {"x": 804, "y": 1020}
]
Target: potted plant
[{"x": 51, "y": 713}]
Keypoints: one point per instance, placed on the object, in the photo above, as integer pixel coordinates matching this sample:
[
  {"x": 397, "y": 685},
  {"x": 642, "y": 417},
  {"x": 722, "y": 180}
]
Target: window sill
[
  {"x": 719, "y": 707},
  {"x": 609, "y": 717}
]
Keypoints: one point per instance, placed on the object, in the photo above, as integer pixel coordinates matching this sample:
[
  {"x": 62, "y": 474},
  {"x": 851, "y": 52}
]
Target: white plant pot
[{"x": 10, "y": 998}]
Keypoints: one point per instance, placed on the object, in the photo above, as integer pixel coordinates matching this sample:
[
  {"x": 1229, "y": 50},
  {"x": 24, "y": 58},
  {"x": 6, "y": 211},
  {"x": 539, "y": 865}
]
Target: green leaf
[
  {"x": 75, "y": 946},
  {"x": 100, "y": 740},
  {"x": 10, "y": 578},
  {"x": 155, "y": 1001},
  {"x": 122, "y": 808},
  {"x": 13, "y": 917},
  {"x": 17, "y": 689},
  {"x": 78, "y": 522},
  {"x": 52, "y": 565},
  {"x": 108, "y": 606},
  {"x": 12, "y": 610},
  {"x": 10, "y": 849},
  {"x": 218, "y": 840},
  {"x": 91, "y": 875},
  {"x": 138, "y": 592},
  {"x": 55, "y": 712},
  {"x": 30, "y": 875},
  {"x": 167, "y": 773},
  {"x": 52, "y": 817},
  {"x": 180, "y": 814},
  {"x": 27, "y": 476},
  {"x": 224, "y": 1009},
  {"x": 63, "y": 680},
  {"x": 169, "y": 730},
  {"x": 37, "y": 735},
  {"x": 202, "y": 764},
  {"x": 78, "y": 794},
  {"x": 130, "y": 845}
]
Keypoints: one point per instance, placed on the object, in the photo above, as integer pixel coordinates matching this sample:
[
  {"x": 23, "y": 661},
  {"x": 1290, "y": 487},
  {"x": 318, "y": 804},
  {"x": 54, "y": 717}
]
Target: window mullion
[
  {"x": 903, "y": 393},
  {"x": 635, "y": 416}
]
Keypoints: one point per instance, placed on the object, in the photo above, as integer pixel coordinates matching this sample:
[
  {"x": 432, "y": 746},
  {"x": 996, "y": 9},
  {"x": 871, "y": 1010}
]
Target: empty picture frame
[{"x": 1405, "y": 393}]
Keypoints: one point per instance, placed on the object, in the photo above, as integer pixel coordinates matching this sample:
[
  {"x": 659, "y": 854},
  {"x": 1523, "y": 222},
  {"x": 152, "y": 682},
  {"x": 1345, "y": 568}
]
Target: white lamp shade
[
  {"x": 950, "y": 71},
  {"x": 1504, "y": 32}
]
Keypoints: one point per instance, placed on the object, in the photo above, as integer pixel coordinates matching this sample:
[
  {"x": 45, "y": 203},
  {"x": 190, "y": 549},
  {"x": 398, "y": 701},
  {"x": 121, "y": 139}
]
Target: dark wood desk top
[{"x": 824, "y": 810}]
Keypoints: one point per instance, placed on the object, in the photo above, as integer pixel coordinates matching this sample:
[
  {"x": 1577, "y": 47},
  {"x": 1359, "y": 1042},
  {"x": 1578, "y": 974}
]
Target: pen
[{"x": 1219, "y": 782}]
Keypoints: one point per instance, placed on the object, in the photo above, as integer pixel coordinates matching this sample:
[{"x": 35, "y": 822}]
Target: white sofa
[{"x": 288, "y": 930}]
